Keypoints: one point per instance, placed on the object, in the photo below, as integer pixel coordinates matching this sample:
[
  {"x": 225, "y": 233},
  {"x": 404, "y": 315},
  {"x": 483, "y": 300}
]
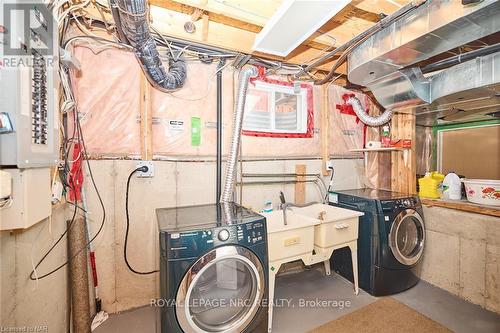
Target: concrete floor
[{"x": 437, "y": 304}]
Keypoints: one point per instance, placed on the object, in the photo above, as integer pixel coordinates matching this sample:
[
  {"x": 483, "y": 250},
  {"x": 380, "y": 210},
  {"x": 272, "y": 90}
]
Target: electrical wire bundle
[
  {"x": 78, "y": 137},
  {"x": 69, "y": 111}
]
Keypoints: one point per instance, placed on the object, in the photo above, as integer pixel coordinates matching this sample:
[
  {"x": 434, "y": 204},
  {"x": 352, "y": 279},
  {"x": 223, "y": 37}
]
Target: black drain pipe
[{"x": 218, "y": 182}]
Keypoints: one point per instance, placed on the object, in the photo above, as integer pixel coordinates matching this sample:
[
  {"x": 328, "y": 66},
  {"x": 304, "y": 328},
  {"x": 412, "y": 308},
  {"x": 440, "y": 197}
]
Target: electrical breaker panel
[{"x": 29, "y": 113}]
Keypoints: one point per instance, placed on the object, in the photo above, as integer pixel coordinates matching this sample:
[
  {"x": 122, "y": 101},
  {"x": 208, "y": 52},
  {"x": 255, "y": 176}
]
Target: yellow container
[{"x": 429, "y": 185}]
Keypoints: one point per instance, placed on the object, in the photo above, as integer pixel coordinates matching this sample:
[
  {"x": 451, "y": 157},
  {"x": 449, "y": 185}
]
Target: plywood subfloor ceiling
[{"x": 233, "y": 24}]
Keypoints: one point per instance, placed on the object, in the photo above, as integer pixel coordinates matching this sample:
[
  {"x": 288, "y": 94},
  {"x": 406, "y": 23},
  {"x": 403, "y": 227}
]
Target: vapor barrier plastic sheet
[
  {"x": 423, "y": 149},
  {"x": 172, "y": 113},
  {"x": 198, "y": 99},
  {"x": 108, "y": 95},
  {"x": 346, "y": 131},
  {"x": 377, "y": 165}
]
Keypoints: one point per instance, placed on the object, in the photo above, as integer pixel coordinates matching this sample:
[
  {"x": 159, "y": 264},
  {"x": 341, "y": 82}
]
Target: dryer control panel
[
  {"x": 247, "y": 234},
  {"x": 188, "y": 244},
  {"x": 396, "y": 204}
]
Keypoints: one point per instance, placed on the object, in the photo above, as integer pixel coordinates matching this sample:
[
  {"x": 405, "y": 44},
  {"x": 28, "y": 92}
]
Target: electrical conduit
[{"x": 131, "y": 18}]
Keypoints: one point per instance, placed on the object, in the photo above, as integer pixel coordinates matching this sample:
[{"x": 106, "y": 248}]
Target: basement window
[
  {"x": 278, "y": 109},
  {"x": 457, "y": 150}
]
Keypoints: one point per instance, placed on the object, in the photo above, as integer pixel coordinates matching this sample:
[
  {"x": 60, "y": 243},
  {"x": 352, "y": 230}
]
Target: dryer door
[
  {"x": 407, "y": 237},
  {"x": 221, "y": 292}
]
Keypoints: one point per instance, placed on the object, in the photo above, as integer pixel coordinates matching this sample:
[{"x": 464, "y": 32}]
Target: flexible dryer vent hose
[
  {"x": 366, "y": 118},
  {"x": 244, "y": 78},
  {"x": 131, "y": 18}
]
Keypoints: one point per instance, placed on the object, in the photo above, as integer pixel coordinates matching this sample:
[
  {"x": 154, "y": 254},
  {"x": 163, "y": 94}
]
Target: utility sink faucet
[{"x": 287, "y": 205}]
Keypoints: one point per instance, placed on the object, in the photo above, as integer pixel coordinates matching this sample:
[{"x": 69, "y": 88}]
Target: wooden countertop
[{"x": 463, "y": 205}]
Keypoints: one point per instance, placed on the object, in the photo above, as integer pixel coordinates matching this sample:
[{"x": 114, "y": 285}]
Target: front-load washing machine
[
  {"x": 213, "y": 270},
  {"x": 390, "y": 243}
]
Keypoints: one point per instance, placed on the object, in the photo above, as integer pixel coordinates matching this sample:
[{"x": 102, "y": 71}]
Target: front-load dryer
[
  {"x": 213, "y": 270},
  {"x": 391, "y": 240}
]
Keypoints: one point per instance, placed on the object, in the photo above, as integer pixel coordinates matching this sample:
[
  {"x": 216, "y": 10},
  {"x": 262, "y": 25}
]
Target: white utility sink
[
  {"x": 311, "y": 235},
  {"x": 337, "y": 225},
  {"x": 291, "y": 240}
]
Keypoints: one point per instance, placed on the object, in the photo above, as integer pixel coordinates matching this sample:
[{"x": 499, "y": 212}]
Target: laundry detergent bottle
[
  {"x": 429, "y": 185},
  {"x": 452, "y": 187}
]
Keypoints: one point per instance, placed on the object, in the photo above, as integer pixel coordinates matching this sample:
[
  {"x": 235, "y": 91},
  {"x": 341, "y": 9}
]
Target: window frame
[
  {"x": 439, "y": 130},
  {"x": 305, "y": 117}
]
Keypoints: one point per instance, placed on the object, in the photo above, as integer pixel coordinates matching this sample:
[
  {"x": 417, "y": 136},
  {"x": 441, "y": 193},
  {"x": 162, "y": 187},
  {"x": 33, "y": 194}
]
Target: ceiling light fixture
[{"x": 293, "y": 23}]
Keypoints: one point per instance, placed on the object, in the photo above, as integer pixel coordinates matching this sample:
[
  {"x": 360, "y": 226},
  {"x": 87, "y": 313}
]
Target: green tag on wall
[{"x": 195, "y": 131}]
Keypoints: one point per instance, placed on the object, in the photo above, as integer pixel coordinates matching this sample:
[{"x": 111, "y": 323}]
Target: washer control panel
[
  {"x": 390, "y": 205},
  {"x": 251, "y": 233}
]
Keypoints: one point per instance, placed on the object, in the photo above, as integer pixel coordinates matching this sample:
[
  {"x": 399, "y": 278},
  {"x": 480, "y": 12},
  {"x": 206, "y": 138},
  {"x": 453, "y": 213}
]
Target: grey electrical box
[{"x": 28, "y": 85}]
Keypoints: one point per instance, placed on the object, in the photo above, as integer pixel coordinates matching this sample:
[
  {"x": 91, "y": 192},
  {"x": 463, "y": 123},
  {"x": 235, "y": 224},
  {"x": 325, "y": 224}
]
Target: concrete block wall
[
  {"x": 32, "y": 304},
  {"x": 462, "y": 255}
]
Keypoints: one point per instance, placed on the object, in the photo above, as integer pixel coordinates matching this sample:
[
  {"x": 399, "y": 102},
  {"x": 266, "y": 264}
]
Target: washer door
[
  {"x": 407, "y": 237},
  {"x": 221, "y": 292}
]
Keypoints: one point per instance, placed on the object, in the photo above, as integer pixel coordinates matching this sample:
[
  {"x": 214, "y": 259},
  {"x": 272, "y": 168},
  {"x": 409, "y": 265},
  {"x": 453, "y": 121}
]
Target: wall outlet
[
  {"x": 148, "y": 174},
  {"x": 329, "y": 165},
  {"x": 57, "y": 192}
]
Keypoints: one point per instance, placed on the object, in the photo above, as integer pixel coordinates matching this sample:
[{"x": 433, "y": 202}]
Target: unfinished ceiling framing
[{"x": 234, "y": 24}]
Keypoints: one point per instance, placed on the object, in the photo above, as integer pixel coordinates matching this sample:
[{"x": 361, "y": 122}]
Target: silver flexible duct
[
  {"x": 244, "y": 78},
  {"x": 366, "y": 118},
  {"x": 131, "y": 18}
]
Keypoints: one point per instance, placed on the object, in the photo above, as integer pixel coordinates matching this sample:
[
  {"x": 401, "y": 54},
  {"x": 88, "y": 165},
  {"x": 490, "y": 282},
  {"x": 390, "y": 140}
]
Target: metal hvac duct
[{"x": 386, "y": 62}]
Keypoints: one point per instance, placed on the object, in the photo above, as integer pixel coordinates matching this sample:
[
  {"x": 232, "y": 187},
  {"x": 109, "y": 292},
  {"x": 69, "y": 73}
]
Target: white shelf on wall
[{"x": 362, "y": 150}]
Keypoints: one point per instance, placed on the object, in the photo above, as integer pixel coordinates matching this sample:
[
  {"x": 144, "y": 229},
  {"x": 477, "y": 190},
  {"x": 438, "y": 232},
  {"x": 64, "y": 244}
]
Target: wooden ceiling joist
[
  {"x": 213, "y": 16},
  {"x": 220, "y": 35},
  {"x": 171, "y": 23},
  {"x": 318, "y": 41},
  {"x": 245, "y": 17},
  {"x": 233, "y": 25}
]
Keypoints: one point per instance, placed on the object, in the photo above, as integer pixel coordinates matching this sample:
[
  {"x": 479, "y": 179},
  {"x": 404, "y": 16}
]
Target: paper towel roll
[{"x": 373, "y": 144}]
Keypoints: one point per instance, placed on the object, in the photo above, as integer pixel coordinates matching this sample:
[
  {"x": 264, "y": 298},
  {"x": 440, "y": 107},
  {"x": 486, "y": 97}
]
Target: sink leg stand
[
  {"x": 272, "y": 279},
  {"x": 328, "y": 272},
  {"x": 354, "y": 258}
]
